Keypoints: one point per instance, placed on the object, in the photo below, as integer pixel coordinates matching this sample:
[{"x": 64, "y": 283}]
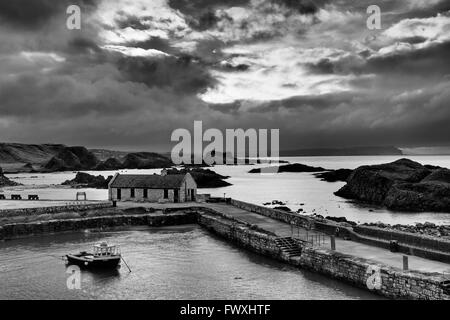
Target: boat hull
[{"x": 84, "y": 262}]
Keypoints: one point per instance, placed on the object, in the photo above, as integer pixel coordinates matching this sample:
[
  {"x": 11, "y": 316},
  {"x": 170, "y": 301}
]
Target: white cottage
[{"x": 153, "y": 188}]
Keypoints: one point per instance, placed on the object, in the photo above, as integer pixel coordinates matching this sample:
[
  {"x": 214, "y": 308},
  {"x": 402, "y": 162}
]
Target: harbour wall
[
  {"x": 370, "y": 275},
  {"x": 54, "y": 209},
  {"x": 18, "y": 230},
  {"x": 408, "y": 243}
]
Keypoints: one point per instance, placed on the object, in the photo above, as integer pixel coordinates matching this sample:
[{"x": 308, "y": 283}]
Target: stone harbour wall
[
  {"x": 54, "y": 209},
  {"x": 287, "y": 217},
  {"x": 17, "y": 230},
  {"x": 381, "y": 279},
  {"x": 241, "y": 235},
  {"x": 418, "y": 245},
  {"x": 384, "y": 280}
]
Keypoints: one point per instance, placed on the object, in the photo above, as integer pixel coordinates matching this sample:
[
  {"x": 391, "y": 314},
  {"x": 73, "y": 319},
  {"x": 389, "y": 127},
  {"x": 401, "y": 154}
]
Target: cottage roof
[{"x": 153, "y": 181}]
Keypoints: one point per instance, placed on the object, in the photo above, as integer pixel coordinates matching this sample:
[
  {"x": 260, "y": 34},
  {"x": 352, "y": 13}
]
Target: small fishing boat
[{"x": 103, "y": 256}]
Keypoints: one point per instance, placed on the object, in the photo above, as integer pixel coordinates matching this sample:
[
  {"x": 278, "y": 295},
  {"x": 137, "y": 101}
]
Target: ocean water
[
  {"x": 297, "y": 190},
  {"x": 184, "y": 262}
]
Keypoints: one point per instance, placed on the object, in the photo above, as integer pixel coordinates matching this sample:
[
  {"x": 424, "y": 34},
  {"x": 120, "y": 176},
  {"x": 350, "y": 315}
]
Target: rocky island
[
  {"x": 294, "y": 167},
  {"x": 402, "y": 185},
  {"x": 86, "y": 180}
]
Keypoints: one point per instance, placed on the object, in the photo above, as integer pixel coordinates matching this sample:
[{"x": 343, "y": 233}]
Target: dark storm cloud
[
  {"x": 193, "y": 7},
  {"x": 303, "y": 6},
  {"x": 183, "y": 74}
]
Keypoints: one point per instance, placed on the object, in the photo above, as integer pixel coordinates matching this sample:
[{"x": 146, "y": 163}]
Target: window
[
  {"x": 132, "y": 193},
  {"x": 145, "y": 193},
  {"x": 166, "y": 194}
]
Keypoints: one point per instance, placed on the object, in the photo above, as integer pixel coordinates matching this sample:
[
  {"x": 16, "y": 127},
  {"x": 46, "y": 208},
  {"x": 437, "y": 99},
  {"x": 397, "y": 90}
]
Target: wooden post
[
  {"x": 405, "y": 263},
  {"x": 333, "y": 243}
]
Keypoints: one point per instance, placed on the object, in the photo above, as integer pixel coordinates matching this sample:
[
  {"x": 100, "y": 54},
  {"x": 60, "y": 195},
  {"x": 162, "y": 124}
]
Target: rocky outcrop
[
  {"x": 334, "y": 175},
  {"x": 295, "y": 167},
  {"x": 146, "y": 160},
  {"x": 204, "y": 178},
  {"x": 5, "y": 182},
  {"x": 401, "y": 185},
  {"x": 109, "y": 164},
  {"x": 88, "y": 181},
  {"x": 72, "y": 158}
]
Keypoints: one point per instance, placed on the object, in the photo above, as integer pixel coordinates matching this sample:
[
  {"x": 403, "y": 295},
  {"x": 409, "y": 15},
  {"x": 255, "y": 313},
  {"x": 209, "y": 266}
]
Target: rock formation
[
  {"x": 89, "y": 181},
  {"x": 72, "y": 158},
  {"x": 109, "y": 164},
  {"x": 334, "y": 175},
  {"x": 204, "y": 178},
  {"x": 294, "y": 167},
  {"x": 146, "y": 160},
  {"x": 5, "y": 182},
  {"x": 402, "y": 185}
]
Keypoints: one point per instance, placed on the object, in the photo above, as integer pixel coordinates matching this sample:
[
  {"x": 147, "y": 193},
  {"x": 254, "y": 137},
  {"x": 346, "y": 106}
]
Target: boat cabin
[{"x": 104, "y": 249}]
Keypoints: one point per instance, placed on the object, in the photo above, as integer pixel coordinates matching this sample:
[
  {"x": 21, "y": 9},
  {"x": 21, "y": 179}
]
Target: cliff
[
  {"x": 402, "y": 185},
  {"x": 72, "y": 158}
]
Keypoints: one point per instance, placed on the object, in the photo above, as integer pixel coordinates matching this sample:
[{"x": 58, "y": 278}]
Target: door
[
  {"x": 119, "y": 194},
  {"x": 192, "y": 194},
  {"x": 176, "y": 195}
]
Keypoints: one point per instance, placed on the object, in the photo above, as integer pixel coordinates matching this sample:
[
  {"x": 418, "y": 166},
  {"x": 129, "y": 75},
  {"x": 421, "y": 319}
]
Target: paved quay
[{"x": 282, "y": 229}]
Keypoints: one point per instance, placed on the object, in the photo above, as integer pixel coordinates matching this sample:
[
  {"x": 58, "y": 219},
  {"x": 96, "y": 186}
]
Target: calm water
[
  {"x": 167, "y": 263},
  {"x": 293, "y": 188}
]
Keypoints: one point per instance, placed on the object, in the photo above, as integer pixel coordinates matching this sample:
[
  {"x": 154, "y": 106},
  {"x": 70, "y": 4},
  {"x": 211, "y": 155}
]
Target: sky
[{"x": 139, "y": 69}]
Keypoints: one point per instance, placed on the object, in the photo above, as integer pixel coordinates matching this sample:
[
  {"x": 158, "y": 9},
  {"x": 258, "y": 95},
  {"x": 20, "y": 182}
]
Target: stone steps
[{"x": 289, "y": 246}]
